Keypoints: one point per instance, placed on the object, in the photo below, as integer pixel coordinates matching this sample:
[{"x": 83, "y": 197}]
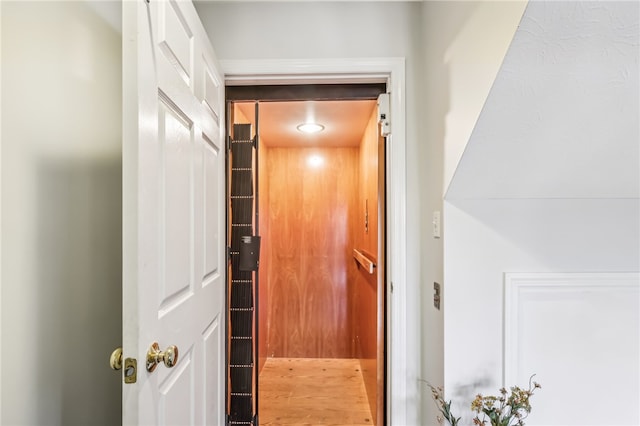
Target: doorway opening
[{"x": 319, "y": 206}]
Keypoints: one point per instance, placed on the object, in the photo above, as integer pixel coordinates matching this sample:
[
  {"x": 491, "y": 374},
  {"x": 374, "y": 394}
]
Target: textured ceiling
[
  {"x": 562, "y": 117},
  {"x": 344, "y": 121}
]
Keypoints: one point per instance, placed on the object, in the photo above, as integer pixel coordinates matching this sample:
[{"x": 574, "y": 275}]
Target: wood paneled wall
[
  {"x": 311, "y": 196},
  {"x": 314, "y": 301},
  {"x": 368, "y": 312},
  {"x": 265, "y": 254}
]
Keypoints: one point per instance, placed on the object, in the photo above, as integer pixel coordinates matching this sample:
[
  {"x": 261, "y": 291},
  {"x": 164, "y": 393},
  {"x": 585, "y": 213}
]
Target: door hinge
[
  {"x": 228, "y": 143},
  {"x": 384, "y": 114}
]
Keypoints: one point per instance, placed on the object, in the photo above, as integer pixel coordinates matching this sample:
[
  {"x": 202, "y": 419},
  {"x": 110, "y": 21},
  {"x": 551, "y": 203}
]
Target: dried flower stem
[{"x": 437, "y": 393}]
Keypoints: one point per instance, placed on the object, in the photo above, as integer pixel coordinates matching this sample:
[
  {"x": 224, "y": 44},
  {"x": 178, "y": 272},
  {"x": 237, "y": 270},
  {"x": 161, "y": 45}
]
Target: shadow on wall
[
  {"x": 61, "y": 213},
  {"x": 558, "y": 234},
  {"x": 79, "y": 312},
  {"x": 443, "y": 24}
]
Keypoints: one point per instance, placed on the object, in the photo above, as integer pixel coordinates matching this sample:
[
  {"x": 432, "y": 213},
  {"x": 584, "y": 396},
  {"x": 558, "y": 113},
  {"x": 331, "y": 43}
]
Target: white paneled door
[{"x": 173, "y": 223}]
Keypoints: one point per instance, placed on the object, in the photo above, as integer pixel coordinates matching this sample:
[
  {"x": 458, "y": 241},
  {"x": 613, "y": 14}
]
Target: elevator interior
[{"x": 320, "y": 205}]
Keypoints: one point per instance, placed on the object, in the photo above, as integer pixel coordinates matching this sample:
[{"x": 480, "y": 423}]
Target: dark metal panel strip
[
  {"x": 306, "y": 92},
  {"x": 240, "y": 286}
]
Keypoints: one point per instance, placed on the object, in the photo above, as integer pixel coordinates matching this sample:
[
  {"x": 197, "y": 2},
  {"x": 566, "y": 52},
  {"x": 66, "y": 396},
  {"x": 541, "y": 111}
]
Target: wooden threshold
[{"x": 312, "y": 391}]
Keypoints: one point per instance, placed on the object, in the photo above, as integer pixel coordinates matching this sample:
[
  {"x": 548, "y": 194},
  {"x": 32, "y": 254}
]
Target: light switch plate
[{"x": 436, "y": 224}]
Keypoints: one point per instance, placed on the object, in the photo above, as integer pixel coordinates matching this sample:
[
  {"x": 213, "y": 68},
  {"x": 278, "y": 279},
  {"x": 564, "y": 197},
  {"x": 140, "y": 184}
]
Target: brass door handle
[
  {"x": 115, "y": 360},
  {"x": 154, "y": 356}
]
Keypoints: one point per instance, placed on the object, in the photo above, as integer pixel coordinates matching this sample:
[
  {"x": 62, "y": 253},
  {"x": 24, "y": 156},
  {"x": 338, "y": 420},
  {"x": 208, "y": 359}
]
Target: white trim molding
[
  {"x": 400, "y": 311},
  {"x": 579, "y": 332},
  {"x": 0, "y": 220}
]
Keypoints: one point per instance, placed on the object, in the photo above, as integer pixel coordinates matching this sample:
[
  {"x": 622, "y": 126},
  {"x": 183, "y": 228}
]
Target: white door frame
[
  {"x": 401, "y": 405},
  {"x": 0, "y": 224}
]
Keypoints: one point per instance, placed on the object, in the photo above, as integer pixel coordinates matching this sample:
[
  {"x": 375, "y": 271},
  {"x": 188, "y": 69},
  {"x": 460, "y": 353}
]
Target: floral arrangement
[{"x": 510, "y": 408}]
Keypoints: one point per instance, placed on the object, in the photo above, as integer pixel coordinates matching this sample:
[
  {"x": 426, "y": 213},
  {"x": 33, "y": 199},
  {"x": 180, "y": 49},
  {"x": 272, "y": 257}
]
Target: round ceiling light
[{"x": 310, "y": 128}]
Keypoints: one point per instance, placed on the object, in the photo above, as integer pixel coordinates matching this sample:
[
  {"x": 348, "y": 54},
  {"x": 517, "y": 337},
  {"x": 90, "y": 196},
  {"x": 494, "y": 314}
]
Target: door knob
[
  {"x": 155, "y": 356},
  {"x": 115, "y": 360}
]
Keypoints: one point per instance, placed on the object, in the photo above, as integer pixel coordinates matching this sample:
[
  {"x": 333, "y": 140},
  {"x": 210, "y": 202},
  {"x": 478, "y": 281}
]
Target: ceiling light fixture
[{"x": 310, "y": 128}]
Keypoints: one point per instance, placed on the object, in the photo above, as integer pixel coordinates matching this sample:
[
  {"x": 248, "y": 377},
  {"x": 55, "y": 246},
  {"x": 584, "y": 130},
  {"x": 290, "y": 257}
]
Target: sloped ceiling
[{"x": 562, "y": 117}]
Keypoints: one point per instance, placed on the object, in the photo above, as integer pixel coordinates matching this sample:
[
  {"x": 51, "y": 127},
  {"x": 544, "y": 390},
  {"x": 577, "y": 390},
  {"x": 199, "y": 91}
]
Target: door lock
[
  {"x": 130, "y": 365},
  {"x": 154, "y": 356},
  {"x": 115, "y": 361}
]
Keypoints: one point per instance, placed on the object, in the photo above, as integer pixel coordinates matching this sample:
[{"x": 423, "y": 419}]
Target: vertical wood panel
[
  {"x": 309, "y": 222},
  {"x": 379, "y": 416},
  {"x": 368, "y": 321},
  {"x": 265, "y": 255}
]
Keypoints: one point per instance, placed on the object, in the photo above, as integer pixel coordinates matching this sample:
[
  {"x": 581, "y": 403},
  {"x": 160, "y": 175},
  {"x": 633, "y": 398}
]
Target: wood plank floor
[{"x": 312, "y": 391}]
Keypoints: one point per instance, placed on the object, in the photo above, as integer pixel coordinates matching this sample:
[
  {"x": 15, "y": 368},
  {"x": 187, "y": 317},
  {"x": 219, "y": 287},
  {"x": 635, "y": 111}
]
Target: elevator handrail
[{"x": 364, "y": 261}]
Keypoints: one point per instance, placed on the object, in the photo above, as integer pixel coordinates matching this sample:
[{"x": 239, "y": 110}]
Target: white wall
[
  {"x": 295, "y": 30},
  {"x": 61, "y": 214},
  {"x": 463, "y": 47},
  {"x": 441, "y": 23},
  {"x": 485, "y": 239},
  {"x": 473, "y": 58},
  {"x": 299, "y": 30},
  {"x": 548, "y": 183},
  {"x": 567, "y": 92},
  {"x": 0, "y": 216}
]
